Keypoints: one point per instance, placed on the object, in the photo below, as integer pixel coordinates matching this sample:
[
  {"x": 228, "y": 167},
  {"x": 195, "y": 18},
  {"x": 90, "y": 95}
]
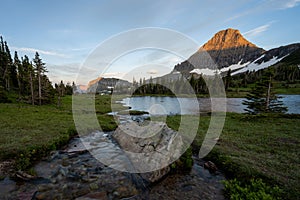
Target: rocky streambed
[{"x": 76, "y": 173}]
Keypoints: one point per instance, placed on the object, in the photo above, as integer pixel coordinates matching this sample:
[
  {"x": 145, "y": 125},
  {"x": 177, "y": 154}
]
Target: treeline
[
  {"x": 284, "y": 73},
  {"x": 196, "y": 84},
  {"x": 156, "y": 86},
  {"x": 26, "y": 79}
]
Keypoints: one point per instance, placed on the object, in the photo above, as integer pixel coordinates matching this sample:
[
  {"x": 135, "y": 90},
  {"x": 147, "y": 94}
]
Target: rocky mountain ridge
[
  {"x": 226, "y": 39},
  {"x": 105, "y": 85},
  {"x": 228, "y": 49}
]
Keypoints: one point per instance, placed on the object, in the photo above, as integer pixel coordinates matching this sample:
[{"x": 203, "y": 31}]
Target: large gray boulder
[{"x": 150, "y": 148}]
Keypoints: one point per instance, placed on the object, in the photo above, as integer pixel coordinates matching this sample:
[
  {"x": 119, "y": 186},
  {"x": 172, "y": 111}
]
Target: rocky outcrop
[
  {"x": 150, "y": 149},
  {"x": 106, "y": 85},
  {"x": 184, "y": 67},
  {"x": 227, "y": 39}
]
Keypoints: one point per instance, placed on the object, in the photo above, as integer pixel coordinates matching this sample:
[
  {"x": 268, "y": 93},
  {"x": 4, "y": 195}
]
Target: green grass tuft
[{"x": 263, "y": 146}]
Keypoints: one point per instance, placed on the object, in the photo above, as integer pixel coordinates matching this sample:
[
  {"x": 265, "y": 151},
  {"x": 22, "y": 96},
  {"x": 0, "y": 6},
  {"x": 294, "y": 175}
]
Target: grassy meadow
[
  {"x": 28, "y": 132},
  {"x": 264, "y": 146}
]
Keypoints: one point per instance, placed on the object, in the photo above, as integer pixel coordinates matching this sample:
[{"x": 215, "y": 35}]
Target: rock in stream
[{"x": 75, "y": 173}]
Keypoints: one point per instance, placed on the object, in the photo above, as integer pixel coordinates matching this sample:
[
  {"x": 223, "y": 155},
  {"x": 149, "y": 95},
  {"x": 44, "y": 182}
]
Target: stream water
[{"x": 73, "y": 173}]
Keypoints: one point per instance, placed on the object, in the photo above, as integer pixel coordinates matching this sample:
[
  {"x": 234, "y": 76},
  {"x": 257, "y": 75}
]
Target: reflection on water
[
  {"x": 173, "y": 105},
  {"x": 292, "y": 102}
]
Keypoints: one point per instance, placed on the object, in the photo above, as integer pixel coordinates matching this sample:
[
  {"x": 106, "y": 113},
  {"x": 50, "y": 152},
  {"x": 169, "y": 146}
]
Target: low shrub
[{"x": 252, "y": 190}]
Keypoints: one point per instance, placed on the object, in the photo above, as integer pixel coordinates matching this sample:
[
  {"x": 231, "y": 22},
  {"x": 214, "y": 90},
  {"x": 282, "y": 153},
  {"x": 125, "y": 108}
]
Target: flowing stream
[{"x": 73, "y": 173}]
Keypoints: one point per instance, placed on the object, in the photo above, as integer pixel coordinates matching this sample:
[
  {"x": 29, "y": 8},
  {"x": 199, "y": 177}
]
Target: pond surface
[{"x": 173, "y": 105}]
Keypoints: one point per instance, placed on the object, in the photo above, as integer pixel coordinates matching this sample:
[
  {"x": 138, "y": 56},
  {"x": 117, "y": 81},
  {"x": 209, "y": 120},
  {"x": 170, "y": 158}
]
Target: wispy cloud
[
  {"x": 113, "y": 75},
  {"x": 239, "y": 15},
  {"x": 152, "y": 71},
  {"x": 67, "y": 72},
  {"x": 267, "y": 5},
  {"x": 280, "y": 4},
  {"x": 258, "y": 30},
  {"x": 33, "y": 50}
]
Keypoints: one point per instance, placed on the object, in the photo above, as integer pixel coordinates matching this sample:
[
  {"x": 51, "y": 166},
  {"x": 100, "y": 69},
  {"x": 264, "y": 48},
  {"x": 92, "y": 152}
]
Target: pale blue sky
[{"x": 65, "y": 32}]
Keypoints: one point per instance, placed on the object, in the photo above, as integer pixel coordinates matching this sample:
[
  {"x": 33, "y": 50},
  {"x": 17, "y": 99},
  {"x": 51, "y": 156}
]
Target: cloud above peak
[{"x": 256, "y": 31}]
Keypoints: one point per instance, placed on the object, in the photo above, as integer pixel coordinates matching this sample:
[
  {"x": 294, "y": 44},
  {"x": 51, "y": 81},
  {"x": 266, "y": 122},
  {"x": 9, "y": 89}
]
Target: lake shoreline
[{"x": 169, "y": 105}]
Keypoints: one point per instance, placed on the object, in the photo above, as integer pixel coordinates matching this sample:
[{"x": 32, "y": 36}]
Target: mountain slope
[
  {"x": 105, "y": 85},
  {"x": 292, "y": 59},
  {"x": 272, "y": 57},
  {"x": 229, "y": 50},
  {"x": 229, "y": 47},
  {"x": 225, "y": 48}
]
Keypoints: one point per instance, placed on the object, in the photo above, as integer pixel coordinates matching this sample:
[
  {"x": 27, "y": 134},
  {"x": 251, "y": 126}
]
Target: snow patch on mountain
[
  {"x": 235, "y": 66},
  {"x": 204, "y": 71},
  {"x": 255, "y": 66}
]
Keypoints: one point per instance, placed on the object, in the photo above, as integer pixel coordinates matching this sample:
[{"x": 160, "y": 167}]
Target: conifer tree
[
  {"x": 28, "y": 81},
  {"x": 18, "y": 65},
  {"x": 262, "y": 98},
  {"x": 13, "y": 77},
  {"x": 68, "y": 89},
  {"x": 228, "y": 80},
  {"x": 40, "y": 70},
  {"x": 74, "y": 87}
]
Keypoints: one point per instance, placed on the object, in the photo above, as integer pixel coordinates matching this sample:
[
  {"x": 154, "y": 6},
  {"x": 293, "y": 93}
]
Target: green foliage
[
  {"x": 23, "y": 78},
  {"x": 292, "y": 59},
  {"x": 184, "y": 163},
  {"x": 262, "y": 98},
  {"x": 255, "y": 146},
  {"x": 163, "y": 86},
  {"x": 22, "y": 162},
  {"x": 187, "y": 159},
  {"x": 107, "y": 122},
  {"x": 34, "y": 152},
  {"x": 30, "y": 132},
  {"x": 3, "y": 95},
  {"x": 228, "y": 80},
  {"x": 286, "y": 75},
  {"x": 255, "y": 189},
  {"x": 133, "y": 112}
]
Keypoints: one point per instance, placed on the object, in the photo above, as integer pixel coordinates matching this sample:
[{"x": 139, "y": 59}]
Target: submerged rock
[
  {"x": 212, "y": 168},
  {"x": 24, "y": 176},
  {"x": 96, "y": 195}
]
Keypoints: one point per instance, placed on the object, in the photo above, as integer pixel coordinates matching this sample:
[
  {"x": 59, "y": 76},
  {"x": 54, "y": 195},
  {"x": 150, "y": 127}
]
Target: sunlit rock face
[
  {"x": 225, "y": 48},
  {"x": 229, "y": 50}
]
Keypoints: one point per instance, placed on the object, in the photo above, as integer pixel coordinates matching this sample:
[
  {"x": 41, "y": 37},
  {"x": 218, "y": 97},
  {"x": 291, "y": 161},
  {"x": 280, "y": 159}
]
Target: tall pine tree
[
  {"x": 262, "y": 98},
  {"x": 20, "y": 79},
  {"x": 40, "y": 70}
]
